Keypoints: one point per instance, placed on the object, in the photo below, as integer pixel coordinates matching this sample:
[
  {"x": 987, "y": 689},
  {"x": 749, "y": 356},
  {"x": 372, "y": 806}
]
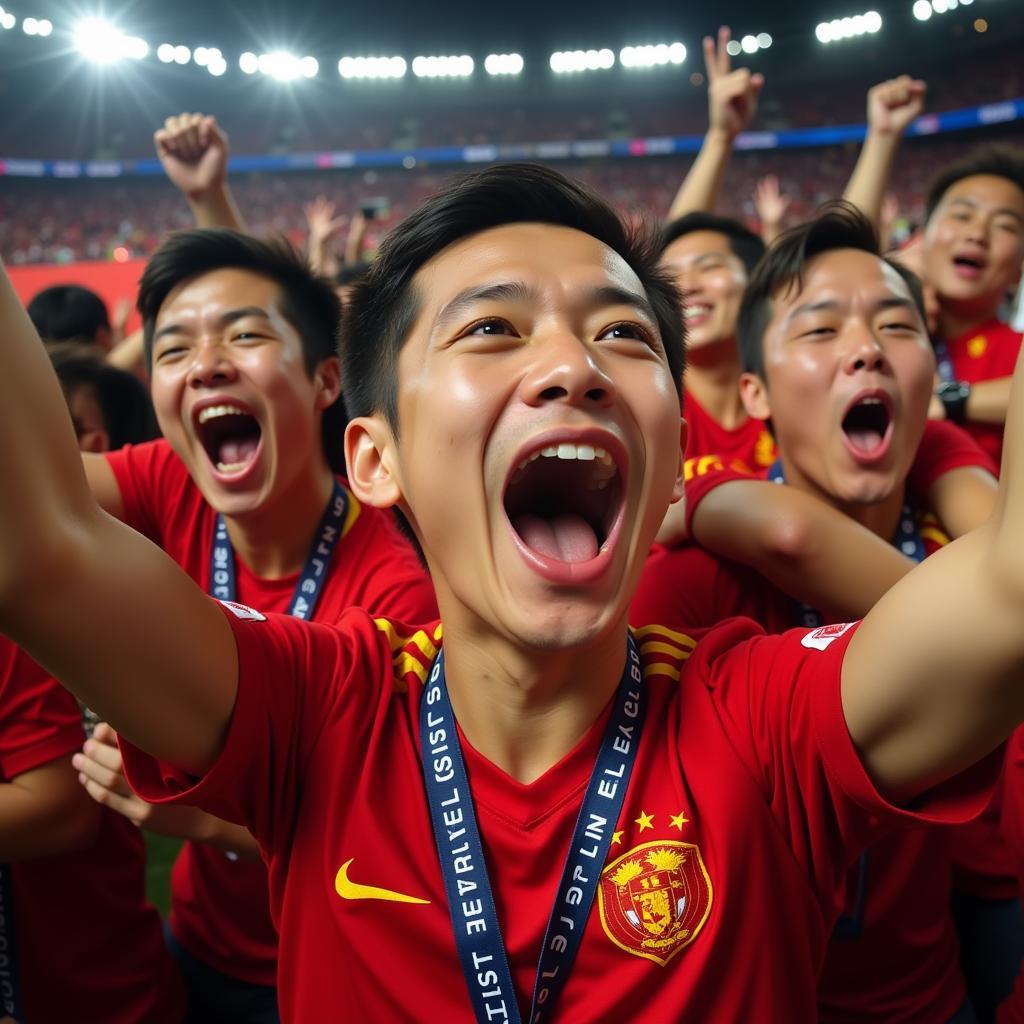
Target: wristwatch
[{"x": 953, "y": 395}]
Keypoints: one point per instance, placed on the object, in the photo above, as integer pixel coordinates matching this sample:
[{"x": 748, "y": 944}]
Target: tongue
[
  {"x": 567, "y": 538},
  {"x": 865, "y": 440},
  {"x": 237, "y": 451}
]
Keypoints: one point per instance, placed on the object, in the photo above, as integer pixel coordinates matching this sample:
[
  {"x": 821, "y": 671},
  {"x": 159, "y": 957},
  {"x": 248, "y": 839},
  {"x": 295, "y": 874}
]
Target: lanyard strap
[
  {"x": 478, "y": 936},
  {"x": 311, "y": 582},
  {"x": 943, "y": 362},
  {"x": 10, "y": 983}
]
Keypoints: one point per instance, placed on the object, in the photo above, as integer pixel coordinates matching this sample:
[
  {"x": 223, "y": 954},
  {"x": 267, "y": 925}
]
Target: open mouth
[
  {"x": 230, "y": 436},
  {"x": 695, "y": 311},
  {"x": 969, "y": 266},
  {"x": 563, "y": 501},
  {"x": 867, "y": 425}
]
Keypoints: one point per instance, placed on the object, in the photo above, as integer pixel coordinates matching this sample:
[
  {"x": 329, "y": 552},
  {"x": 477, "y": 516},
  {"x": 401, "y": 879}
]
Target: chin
[{"x": 564, "y": 625}]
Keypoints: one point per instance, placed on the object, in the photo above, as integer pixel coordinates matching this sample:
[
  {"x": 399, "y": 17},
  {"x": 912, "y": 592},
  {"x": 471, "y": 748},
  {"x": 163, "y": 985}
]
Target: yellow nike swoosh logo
[{"x": 349, "y": 890}]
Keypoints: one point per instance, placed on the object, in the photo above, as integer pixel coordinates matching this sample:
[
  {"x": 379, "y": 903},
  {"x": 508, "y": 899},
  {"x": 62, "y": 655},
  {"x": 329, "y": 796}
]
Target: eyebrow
[
  {"x": 224, "y": 320},
  {"x": 973, "y": 203},
  {"x": 829, "y": 305},
  {"x": 519, "y": 291}
]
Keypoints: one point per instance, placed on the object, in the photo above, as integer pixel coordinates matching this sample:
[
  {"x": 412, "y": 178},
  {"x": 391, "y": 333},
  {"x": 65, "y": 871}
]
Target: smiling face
[
  {"x": 539, "y": 433},
  {"x": 231, "y": 390},
  {"x": 711, "y": 279},
  {"x": 848, "y": 378},
  {"x": 974, "y": 244}
]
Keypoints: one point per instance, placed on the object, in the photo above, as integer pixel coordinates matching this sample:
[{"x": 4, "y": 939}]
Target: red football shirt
[
  {"x": 748, "y": 447},
  {"x": 219, "y": 908},
  {"x": 1012, "y": 792},
  {"x": 985, "y": 353},
  {"x": 747, "y": 791},
  {"x": 903, "y": 966},
  {"x": 89, "y": 948}
]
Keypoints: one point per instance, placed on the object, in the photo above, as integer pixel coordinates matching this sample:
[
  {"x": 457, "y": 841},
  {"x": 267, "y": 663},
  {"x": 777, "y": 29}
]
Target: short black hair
[
  {"x": 384, "y": 304},
  {"x": 996, "y": 159},
  {"x": 837, "y": 225},
  {"x": 747, "y": 246},
  {"x": 308, "y": 302},
  {"x": 68, "y": 312},
  {"x": 127, "y": 411}
]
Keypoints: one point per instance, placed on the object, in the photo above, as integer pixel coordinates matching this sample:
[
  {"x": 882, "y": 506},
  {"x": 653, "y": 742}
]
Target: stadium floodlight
[
  {"x": 567, "y": 61},
  {"x": 503, "y": 64},
  {"x": 249, "y": 63},
  {"x": 165, "y": 53},
  {"x": 182, "y": 54},
  {"x": 442, "y": 67},
  {"x": 309, "y": 66},
  {"x": 922, "y": 10},
  {"x": 652, "y": 56},
  {"x": 7, "y": 20},
  {"x": 733, "y": 48},
  {"x": 217, "y": 66},
  {"x": 101, "y": 42},
  {"x": 749, "y": 44},
  {"x": 764, "y": 40},
  {"x": 850, "y": 27},
  {"x": 28, "y": 26},
  {"x": 372, "y": 67}
]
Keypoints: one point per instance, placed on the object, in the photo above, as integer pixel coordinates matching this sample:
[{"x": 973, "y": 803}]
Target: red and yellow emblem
[{"x": 655, "y": 899}]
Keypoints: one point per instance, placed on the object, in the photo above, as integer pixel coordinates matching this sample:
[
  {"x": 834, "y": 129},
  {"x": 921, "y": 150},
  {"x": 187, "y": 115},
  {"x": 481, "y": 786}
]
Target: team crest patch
[
  {"x": 820, "y": 638},
  {"x": 655, "y": 899},
  {"x": 244, "y": 612}
]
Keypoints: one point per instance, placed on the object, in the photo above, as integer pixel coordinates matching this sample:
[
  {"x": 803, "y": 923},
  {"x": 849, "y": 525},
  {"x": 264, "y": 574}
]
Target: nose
[
  {"x": 210, "y": 365},
  {"x": 864, "y": 352},
  {"x": 565, "y": 369}
]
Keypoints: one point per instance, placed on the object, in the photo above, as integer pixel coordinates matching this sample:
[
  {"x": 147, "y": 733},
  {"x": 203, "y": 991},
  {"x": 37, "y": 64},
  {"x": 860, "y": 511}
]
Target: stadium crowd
[{"x": 723, "y": 724}]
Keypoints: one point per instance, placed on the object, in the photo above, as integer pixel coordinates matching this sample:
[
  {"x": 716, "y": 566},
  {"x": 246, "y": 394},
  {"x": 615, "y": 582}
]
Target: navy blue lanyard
[
  {"x": 478, "y": 936},
  {"x": 311, "y": 582},
  {"x": 943, "y": 361},
  {"x": 907, "y": 539},
  {"x": 10, "y": 983}
]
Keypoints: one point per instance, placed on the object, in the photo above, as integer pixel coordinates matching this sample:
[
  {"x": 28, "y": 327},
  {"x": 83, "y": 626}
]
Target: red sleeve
[
  {"x": 295, "y": 679},
  {"x": 945, "y": 446},
  {"x": 704, "y": 478},
  {"x": 151, "y": 478},
  {"x": 685, "y": 587},
  {"x": 39, "y": 720},
  {"x": 781, "y": 701}
]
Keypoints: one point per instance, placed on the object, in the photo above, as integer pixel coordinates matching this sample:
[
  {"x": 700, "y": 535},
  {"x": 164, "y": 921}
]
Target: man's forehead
[
  {"x": 841, "y": 273},
  {"x": 695, "y": 244},
  {"x": 987, "y": 189},
  {"x": 224, "y": 286},
  {"x": 536, "y": 254}
]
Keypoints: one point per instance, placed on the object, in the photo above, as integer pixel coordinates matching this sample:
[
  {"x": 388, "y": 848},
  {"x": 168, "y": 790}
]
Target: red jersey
[
  {"x": 749, "y": 447},
  {"x": 88, "y": 947},
  {"x": 901, "y": 964},
  {"x": 746, "y": 790},
  {"x": 985, "y": 353},
  {"x": 219, "y": 908},
  {"x": 1012, "y": 830}
]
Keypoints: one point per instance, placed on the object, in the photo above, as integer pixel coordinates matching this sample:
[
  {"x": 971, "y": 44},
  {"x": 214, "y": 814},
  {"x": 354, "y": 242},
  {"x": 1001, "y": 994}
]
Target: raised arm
[
  {"x": 934, "y": 678},
  {"x": 732, "y": 104},
  {"x": 771, "y": 205},
  {"x": 323, "y": 228},
  {"x": 892, "y": 106},
  {"x": 194, "y": 152},
  {"x": 105, "y": 611}
]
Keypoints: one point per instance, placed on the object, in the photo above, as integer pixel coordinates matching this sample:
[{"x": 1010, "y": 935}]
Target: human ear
[
  {"x": 372, "y": 459},
  {"x": 754, "y": 393},
  {"x": 327, "y": 379}
]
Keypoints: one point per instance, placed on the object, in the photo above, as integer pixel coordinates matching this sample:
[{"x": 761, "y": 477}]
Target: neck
[
  {"x": 275, "y": 539},
  {"x": 712, "y": 378},
  {"x": 880, "y": 517},
  {"x": 954, "y": 322},
  {"x": 524, "y": 709}
]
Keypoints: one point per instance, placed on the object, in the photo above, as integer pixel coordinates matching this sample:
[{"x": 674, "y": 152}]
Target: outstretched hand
[
  {"x": 894, "y": 104},
  {"x": 322, "y": 223},
  {"x": 732, "y": 95},
  {"x": 194, "y": 152}
]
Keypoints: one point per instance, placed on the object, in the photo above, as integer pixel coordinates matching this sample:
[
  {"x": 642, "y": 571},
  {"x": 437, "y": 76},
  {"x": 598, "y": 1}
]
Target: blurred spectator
[{"x": 68, "y": 312}]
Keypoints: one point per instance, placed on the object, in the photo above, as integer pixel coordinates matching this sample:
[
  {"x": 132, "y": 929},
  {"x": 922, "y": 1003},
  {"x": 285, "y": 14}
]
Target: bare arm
[
  {"x": 356, "y": 239},
  {"x": 963, "y": 499},
  {"x": 988, "y": 402},
  {"x": 194, "y": 152},
  {"x": 732, "y": 103},
  {"x": 105, "y": 611},
  {"x": 101, "y": 772},
  {"x": 323, "y": 229},
  {"x": 129, "y": 354},
  {"x": 807, "y": 549},
  {"x": 892, "y": 106},
  {"x": 934, "y": 678},
  {"x": 42, "y": 815}
]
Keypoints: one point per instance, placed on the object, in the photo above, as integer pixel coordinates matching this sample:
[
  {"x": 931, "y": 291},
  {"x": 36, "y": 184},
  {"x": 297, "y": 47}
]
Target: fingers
[
  {"x": 717, "y": 61},
  {"x": 186, "y": 136},
  {"x": 104, "y": 733},
  {"x": 126, "y": 806}
]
